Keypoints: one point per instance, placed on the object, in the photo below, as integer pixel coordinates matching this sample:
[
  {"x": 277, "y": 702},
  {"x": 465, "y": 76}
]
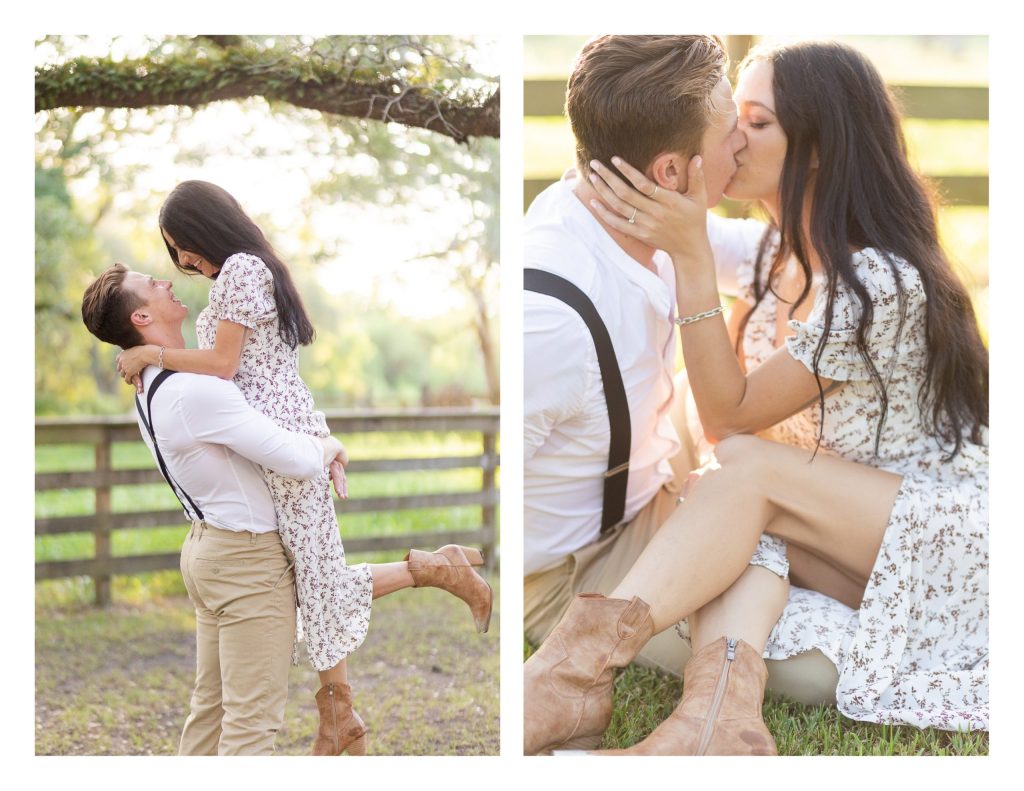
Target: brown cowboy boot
[
  {"x": 720, "y": 713},
  {"x": 341, "y": 729},
  {"x": 567, "y": 688},
  {"x": 451, "y": 569}
]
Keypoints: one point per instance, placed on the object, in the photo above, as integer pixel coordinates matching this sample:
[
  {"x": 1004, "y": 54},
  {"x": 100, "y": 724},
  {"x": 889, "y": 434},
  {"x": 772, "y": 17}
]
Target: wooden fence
[
  {"x": 546, "y": 98},
  {"x": 102, "y": 432}
]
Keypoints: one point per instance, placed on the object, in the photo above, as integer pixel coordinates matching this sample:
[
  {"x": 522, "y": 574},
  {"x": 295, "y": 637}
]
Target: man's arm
[
  {"x": 215, "y": 412},
  {"x": 556, "y": 348}
]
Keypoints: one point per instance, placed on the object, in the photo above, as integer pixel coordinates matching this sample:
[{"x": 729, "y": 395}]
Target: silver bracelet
[
  {"x": 707, "y": 314},
  {"x": 160, "y": 359}
]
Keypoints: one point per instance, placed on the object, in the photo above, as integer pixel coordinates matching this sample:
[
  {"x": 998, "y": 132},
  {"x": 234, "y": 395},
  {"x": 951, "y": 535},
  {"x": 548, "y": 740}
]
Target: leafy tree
[{"x": 391, "y": 165}]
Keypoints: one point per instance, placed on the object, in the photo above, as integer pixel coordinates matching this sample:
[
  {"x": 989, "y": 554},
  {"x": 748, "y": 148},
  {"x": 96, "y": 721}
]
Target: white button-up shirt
[
  {"x": 214, "y": 444},
  {"x": 566, "y": 429}
]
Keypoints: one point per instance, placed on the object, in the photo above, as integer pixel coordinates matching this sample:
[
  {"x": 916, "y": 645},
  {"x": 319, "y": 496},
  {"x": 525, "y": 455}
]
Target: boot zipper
[
  {"x": 334, "y": 717},
  {"x": 716, "y": 701}
]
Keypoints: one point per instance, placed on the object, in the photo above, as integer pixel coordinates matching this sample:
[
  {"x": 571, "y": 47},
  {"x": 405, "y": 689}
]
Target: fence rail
[
  {"x": 546, "y": 98},
  {"x": 103, "y": 432}
]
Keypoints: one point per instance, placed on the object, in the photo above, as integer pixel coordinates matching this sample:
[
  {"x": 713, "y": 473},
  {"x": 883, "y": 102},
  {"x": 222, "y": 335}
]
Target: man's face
[
  {"x": 158, "y": 300},
  {"x": 722, "y": 140}
]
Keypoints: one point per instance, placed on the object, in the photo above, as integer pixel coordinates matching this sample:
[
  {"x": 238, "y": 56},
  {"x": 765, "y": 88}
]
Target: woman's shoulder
[
  {"x": 244, "y": 289},
  {"x": 245, "y": 264},
  {"x": 884, "y": 272}
]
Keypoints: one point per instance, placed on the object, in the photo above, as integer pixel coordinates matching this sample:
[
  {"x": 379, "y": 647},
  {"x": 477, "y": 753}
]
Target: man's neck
[
  {"x": 170, "y": 337},
  {"x": 642, "y": 253}
]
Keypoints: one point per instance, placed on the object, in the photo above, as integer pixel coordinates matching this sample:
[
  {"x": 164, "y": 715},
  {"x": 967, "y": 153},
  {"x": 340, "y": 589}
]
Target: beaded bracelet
[
  {"x": 160, "y": 359},
  {"x": 707, "y": 314}
]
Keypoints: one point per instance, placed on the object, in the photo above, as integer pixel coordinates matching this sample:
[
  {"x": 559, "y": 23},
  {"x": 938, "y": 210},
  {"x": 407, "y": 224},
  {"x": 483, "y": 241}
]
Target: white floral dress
[
  {"x": 333, "y": 598},
  {"x": 916, "y": 651}
]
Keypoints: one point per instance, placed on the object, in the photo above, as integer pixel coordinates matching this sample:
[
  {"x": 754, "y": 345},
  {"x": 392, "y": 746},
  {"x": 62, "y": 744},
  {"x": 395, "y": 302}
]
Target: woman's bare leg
[
  {"x": 747, "y": 610},
  {"x": 390, "y": 577},
  {"x": 834, "y": 508}
]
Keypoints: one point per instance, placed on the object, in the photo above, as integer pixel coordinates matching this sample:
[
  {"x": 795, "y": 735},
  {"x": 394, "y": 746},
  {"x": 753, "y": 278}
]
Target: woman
[
  {"x": 854, "y": 352},
  {"x": 250, "y": 332}
]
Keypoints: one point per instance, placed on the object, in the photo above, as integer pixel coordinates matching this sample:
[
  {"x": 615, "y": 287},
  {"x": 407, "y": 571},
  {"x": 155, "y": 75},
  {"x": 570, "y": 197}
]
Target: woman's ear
[{"x": 668, "y": 171}]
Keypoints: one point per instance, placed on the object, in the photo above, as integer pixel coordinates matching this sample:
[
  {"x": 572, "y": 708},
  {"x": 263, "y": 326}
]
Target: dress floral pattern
[
  {"x": 916, "y": 651},
  {"x": 333, "y": 598}
]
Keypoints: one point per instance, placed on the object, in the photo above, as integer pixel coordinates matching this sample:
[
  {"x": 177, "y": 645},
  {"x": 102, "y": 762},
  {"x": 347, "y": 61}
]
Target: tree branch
[{"x": 322, "y": 86}]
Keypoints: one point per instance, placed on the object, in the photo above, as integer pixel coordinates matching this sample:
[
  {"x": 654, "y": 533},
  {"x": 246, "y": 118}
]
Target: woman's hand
[
  {"x": 661, "y": 218},
  {"x": 337, "y": 472},
  {"x": 131, "y": 361},
  {"x": 336, "y": 458}
]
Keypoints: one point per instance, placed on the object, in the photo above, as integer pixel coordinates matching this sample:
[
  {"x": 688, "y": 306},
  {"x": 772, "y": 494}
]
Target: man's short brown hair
[
  {"x": 640, "y": 96},
  {"x": 107, "y": 309}
]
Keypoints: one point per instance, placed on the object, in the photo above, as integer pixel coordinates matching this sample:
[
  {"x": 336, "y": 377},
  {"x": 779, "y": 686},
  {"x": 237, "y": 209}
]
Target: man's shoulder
[{"x": 191, "y": 387}]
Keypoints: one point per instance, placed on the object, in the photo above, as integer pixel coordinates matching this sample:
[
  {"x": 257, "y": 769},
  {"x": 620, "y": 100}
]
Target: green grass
[
  {"x": 117, "y": 681},
  {"x": 643, "y": 698}
]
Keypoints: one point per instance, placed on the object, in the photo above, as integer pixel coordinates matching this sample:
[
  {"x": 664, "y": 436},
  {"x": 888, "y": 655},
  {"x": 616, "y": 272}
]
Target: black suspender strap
[
  {"x": 196, "y": 512},
  {"x": 617, "y": 476}
]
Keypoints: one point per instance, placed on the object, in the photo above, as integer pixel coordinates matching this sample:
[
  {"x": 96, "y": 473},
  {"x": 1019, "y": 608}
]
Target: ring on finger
[
  {"x": 632, "y": 217},
  {"x": 655, "y": 192}
]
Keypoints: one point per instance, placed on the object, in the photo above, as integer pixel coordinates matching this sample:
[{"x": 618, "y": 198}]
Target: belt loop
[{"x": 252, "y": 538}]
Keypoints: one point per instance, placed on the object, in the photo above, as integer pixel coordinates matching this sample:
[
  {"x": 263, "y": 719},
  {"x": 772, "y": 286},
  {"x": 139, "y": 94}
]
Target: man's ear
[
  {"x": 140, "y": 317},
  {"x": 668, "y": 171}
]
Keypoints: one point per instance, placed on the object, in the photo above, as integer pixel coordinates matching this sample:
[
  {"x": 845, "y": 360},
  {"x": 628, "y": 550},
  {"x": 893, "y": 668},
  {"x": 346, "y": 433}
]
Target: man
[
  {"x": 688, "y": 109},
  {"x": 656, "y": 102},
  {"x": 210, "y": 445}
]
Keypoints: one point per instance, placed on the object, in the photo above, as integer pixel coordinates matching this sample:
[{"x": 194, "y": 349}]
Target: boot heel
[
  {"x": 358, "y": 747},
  {"x": 473, "y": 555}
]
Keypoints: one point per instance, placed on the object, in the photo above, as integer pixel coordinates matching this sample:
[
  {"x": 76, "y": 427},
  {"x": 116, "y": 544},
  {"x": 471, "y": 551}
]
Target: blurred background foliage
[
  {"x": 939, "y": 147},
  {"x": 391, "y": 231}
]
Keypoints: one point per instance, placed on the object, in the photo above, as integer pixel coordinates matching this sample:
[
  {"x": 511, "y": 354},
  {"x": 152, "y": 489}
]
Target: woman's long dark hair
[
  {"x": 205, "y": 219},
  {"x": 834, "y": 106}
]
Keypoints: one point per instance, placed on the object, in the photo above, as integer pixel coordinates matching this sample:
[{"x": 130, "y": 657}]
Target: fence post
[
  {"x": 488, "y": 511},
  {"x": 102, "y": 534}
]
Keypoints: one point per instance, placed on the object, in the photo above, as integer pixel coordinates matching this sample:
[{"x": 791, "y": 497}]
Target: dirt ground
[{"x": 117, "y": 681}]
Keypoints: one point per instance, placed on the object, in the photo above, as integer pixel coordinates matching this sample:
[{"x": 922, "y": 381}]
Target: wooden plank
[
  {"x": 56, "y": 569},
  {"x": 414, "y": 501},
  {"x": 934, "y": 102},
  {"x": 101, "y": 540},
  {"x": 136, "y": 564},
  {"x": 78, "y": 524},
  {"x": 378, "y": 423},
  {"x": 91, "y": 478},
  {"x": 443, "y": 463},
  {"x": 955, "y": 190},
  {"x": 488, "y": 512},
  {"x": 943, "y": 102},
  {"x": 544, "y": 97},
  {"x": 963, "y": 190},
  {"x": 123, "y": 428},
  {"x": 171, "y": 518},
  {"x": 431, "y": 540}
]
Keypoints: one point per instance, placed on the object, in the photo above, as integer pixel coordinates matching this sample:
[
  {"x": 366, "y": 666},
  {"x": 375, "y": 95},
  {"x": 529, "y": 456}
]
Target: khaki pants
[
  {"x": 808, "y": 678},
  {"x": 243, "y": 589}
]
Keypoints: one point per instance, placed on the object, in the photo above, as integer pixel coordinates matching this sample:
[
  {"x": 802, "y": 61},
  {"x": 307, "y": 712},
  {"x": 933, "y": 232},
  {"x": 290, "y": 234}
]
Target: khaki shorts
[{"x": 808, "y": 678}]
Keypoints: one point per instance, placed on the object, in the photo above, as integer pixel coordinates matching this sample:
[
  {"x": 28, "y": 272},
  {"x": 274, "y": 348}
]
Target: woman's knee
[{"x": 739, "y": 449}]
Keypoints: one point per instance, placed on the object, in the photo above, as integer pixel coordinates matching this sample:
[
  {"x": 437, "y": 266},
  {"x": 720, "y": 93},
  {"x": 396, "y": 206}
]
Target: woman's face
[
  {"x": 191, "y": 260},
  {"x": 759, "y": 165}
]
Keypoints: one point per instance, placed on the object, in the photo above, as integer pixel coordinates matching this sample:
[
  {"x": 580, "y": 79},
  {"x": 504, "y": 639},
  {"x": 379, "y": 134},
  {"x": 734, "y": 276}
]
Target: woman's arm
[
  {"x": 729, "y": 401},
  {"x": 222, "y": 360}
]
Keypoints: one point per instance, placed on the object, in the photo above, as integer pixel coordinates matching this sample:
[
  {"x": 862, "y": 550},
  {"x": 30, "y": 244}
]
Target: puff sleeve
[
  {"x": 893, "y": 339},
  {"x": 244, "y": 291}
]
